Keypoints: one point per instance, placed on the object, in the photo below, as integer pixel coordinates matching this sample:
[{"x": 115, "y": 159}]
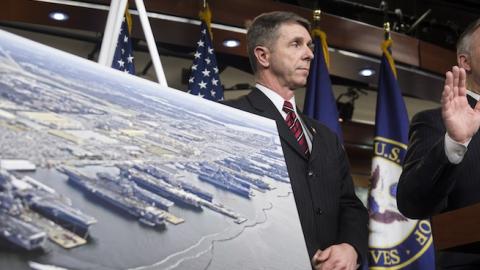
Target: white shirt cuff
[{"x": 455, "y": 151}]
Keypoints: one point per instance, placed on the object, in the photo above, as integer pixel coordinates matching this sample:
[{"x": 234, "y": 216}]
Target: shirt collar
[
  {"x": 276, "y": 99},
  {"x": 473, "y": 95}
]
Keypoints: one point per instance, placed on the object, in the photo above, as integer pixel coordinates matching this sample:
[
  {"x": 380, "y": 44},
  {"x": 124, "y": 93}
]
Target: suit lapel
[
  {"x": 265, "y": 108},
  {"x": 314, "y": 153}
]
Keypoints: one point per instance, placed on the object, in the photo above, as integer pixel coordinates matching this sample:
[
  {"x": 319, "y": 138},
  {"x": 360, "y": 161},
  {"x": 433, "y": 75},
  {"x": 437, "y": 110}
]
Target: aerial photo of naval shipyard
[{"x": 101, "y": 170}]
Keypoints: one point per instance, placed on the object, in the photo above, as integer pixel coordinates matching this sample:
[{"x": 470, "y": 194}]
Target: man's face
[
  {"x": 475, "y": 57},
  {"x": 290, "y": 55}
]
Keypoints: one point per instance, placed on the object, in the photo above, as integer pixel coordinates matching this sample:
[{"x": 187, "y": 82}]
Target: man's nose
[{"x": 308, "y": 54}]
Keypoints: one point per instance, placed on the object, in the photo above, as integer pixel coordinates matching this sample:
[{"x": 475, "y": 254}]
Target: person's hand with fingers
[
  {"x": 461, "y": 121},
  {"x": 320, "y": 257},
  {"x": 336, "y": 257}
]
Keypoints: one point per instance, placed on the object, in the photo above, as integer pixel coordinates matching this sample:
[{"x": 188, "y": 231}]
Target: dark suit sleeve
[
  {"x": 426, "y": 180},
  {"x": 353, "y": 223}
]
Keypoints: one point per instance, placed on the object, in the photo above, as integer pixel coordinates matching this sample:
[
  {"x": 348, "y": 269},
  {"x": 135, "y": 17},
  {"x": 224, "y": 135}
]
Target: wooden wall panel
[
  {"x": 436, "y": 59},
  {"x": 342, "y": 33}
]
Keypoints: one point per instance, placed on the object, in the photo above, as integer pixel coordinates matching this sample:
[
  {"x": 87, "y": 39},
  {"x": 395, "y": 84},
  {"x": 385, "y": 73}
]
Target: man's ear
[
  {"x": 463, "y": 61},
  {"x": 263, "y": 56}
]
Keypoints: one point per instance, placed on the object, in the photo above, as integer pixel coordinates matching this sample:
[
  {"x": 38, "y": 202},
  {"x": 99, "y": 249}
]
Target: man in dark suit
[
  {"x": 334, "y": 221},
  {"x": 441, "y": 169}
]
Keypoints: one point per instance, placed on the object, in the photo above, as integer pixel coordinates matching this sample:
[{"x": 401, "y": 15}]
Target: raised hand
[{"x": 460, "y": 120}]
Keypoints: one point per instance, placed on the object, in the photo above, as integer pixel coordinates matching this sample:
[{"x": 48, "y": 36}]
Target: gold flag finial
[
  {"x": 316, "y": 19},
  {"x": 206, "y": 16},
  {"x": 386, "y": 29},
  {"x": 316, "y": 15}
]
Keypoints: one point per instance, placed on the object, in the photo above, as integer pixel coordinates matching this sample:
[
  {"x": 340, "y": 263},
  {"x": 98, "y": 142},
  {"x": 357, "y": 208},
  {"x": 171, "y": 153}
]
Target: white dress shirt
[
  {"x": 455, "y": 151},
  {"x": 278, "y": 101}
]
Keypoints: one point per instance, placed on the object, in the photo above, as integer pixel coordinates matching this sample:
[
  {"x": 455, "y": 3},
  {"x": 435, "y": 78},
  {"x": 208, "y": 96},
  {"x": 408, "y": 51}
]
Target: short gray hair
[
  {"x": 264, "y": 31},
  {"x": 464, "y": 41}
]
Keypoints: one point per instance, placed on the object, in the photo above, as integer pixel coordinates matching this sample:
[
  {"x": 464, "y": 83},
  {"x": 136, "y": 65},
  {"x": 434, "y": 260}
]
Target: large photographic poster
[{"x": 103, "y": 170}]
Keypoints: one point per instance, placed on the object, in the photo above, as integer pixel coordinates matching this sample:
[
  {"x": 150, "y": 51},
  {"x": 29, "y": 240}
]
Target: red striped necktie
[{"x": 294, "y": 124}]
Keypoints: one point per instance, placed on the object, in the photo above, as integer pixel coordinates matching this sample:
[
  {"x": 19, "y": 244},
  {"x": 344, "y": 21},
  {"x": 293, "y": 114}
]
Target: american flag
[
  {"x": 204, "y": 80},
  {"x": 123, "y": 57}
]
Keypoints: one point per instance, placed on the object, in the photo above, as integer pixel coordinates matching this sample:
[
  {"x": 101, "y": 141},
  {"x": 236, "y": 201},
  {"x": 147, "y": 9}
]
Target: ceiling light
[
  {"x": 366, "y": 72},
  {"x": 351, "y": 54},
  {"x": 231, "y": 43},
  {"x": 58, "y": 16}
]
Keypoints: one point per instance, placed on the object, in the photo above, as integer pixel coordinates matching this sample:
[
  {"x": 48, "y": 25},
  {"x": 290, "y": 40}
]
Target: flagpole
[
  {"x": 112, "y": 30},
  {"x": 152, "y": 46}
]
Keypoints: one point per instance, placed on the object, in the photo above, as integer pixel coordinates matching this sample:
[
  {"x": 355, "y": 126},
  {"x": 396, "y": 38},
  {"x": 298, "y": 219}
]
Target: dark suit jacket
[
  {"x": 329, "y": 211},
  {"x": 430, "y": 184}
]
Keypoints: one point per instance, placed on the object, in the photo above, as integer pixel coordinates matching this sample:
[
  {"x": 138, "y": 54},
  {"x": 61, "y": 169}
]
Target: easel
[{"x": 112, "y": 30}]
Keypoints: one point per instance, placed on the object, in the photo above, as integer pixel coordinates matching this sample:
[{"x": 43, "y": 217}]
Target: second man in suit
[
  {"x": 334, "y": 221},
  {"x": 440, "y": 171}
]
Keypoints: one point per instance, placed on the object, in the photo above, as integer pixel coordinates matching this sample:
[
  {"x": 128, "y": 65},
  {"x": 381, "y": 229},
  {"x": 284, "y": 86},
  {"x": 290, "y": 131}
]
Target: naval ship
[
  {"x": 258, "y": 183},
  {"x": 129, "y": 188},
  {"x": 45, "y": 201},
  {"x": 146, "y": 214},
  {"x": 21, "y": 233},
  {"x": 177, "y": 195},
  {"x": 272, "y": 170},
  {"x": 223, "y": 180},
  {"x": 248, "y": 166},
  {"x": 12, "y": 227},
  {"x": 166, "y": 174}
]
